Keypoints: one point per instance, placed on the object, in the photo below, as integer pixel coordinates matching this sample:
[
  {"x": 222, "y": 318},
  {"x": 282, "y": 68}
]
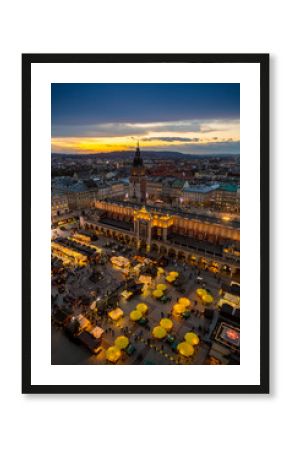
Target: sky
[{"x": 188, "y": 118}]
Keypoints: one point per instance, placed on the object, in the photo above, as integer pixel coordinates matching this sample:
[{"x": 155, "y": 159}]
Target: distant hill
[{"x": 146, "y": 154}]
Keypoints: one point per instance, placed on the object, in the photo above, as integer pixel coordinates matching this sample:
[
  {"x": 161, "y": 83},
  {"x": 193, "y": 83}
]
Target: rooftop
[
  {"x": 229, "y": 187},
  {"x": 179, "y": 213},
  {"x": 202, "y": 188},
  {"x": 68, "y": 184}
]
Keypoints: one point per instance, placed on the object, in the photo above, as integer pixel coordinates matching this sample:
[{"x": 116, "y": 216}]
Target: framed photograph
[{"x": 145, "y": 223}]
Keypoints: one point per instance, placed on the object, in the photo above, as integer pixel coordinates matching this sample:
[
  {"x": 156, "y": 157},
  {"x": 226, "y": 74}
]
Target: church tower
[{"x": 137, "y": 186}]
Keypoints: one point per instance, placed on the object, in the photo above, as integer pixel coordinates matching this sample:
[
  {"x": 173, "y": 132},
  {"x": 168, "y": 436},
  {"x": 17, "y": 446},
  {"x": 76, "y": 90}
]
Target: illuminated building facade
[
  {"x": 198, "y": 194},
  {"x": 166, "y": 233},
  {"x": 74, "y": 250},
  {"x": 59, "y": 205},
  {"x": 227, "y": 197},
  {"x": 148, "y": 226},
  {"x": 76, "y": 195},
  {"x": 195, "y": 226}
]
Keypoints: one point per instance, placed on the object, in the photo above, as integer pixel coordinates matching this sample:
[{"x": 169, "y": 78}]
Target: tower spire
[
  {"x": 137, "y": 158},
  {"x": 137, "y": 187}
]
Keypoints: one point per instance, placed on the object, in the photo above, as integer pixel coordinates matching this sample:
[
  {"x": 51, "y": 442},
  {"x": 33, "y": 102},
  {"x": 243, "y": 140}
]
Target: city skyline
[
  {"x": 188, "y": 118},
  {"x": 145, "y": 261}
]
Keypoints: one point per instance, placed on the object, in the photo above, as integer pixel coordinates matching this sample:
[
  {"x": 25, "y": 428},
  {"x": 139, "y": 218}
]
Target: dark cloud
[
  {"x": 112, "y": 129},
  {"x": 122, "y": 129},
  {"x": 98, "y": 130},
  {"x": 226, "y": 147},
  {"x": 209, "y": 129},
  {"x": 225, "y": 141}
]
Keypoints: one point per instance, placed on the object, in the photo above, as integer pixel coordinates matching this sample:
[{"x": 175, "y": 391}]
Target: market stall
[{"x": 116, "y": 314}]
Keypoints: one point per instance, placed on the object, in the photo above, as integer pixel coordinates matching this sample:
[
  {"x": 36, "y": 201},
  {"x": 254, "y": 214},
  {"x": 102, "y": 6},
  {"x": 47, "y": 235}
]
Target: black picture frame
[{"x": 27, "y": 61}]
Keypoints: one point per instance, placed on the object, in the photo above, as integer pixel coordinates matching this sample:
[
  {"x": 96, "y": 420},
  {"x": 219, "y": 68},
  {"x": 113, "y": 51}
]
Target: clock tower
[{"x": 137, "y": 185}]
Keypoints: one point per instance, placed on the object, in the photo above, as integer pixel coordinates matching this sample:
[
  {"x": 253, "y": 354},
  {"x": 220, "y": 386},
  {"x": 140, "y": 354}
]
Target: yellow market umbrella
[
  {"x": 159, "y": 332},
  {"x": 184, "y": 301},
  {"x": 185, "y": 349},
  {"x": 191, "y": 338},
  {"x": 174, "y": 274},
  {"x": 200, "y": 292},
  {"x": 170, "y": 279},
  {"x": 178, "y": 309},
  {"x": 113, "y": 354},
  {"x": 135, "y": 315},
  {"x": 207, "y": 298},
  {"x": 121, "y": 342},
  {"x": 161, "y": 287},
  {"x": 166, "y": 323},
  {"x": 142, "y": 307},
  {"x": 157, "y": 293}
]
